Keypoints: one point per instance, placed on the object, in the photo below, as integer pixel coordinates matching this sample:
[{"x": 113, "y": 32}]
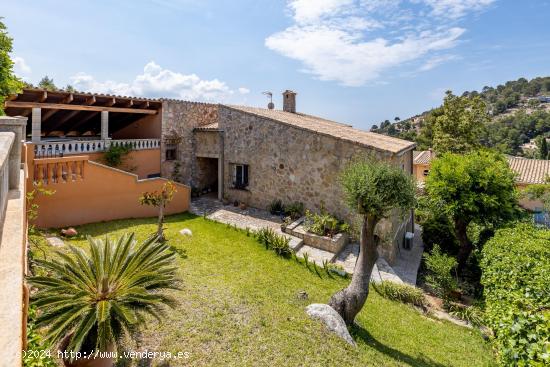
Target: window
[
  {"x": 240, "y": 176},
  {"x": 170, "y": 153},
  {"x": 426, "y": 172}
]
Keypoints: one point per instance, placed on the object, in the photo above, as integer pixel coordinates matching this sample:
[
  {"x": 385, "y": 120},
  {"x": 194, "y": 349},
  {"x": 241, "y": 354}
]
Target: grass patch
[{"x": 239, "y": 306}]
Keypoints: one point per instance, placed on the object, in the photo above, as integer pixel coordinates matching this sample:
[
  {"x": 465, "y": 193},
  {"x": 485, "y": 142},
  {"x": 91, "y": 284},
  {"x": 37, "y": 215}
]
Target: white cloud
[
  {"x": 455, "y": 9},
  {"x": 243, "y": 90},
  {"x": 156, "y": 81},
  {"x": 20, "y": 66},
  {"x": 354, "y": 42},
  {"x": 435, "y": 61}
]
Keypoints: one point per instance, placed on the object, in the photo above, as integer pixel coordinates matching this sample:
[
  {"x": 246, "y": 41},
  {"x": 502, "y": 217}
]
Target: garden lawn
[{"x": 238, "y": 306}]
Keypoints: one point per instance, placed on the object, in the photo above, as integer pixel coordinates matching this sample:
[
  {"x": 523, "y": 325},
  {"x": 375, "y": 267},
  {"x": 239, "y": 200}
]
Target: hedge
[{"x": 516, "y": 277}]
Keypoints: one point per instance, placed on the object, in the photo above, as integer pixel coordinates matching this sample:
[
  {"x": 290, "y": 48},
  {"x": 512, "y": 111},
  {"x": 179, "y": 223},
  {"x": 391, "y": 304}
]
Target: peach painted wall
[
  {"x": 141, "y": 162},
  {"x": 418, "y": 171},
  {"x": 102, "y": 194},
  {"x": 147, "y": 127}
]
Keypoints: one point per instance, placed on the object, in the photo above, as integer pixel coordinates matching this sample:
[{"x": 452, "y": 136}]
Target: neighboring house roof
[
  {"x": 530, "y": 171},
  {"x": 423, "y": 156},
  {"x": 331, "y": 128},
  {"x": 209, "y": 127}
]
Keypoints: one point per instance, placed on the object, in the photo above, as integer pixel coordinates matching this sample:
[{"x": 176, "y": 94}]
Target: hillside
[{"x": 520, "y": 113}]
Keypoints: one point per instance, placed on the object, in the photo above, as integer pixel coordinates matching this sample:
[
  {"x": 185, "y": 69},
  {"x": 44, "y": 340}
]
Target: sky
[{"x": 353, "y": 61}]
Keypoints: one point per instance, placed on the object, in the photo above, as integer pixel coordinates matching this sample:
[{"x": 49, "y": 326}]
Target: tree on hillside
[
  {"x": 47, "y": 84},
  {"x": 9, "y": 83},
  {"x": 474, "y": 188},
  {"x": 460, "y": 125},
  {"x": 543, "y": 148},
  {"x": 372, "y": 189}
]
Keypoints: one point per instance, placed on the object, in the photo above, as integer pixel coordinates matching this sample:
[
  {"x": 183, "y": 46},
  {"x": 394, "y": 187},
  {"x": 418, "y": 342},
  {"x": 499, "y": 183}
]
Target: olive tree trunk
[
  {"x": 350, "y": 300},
  {"x": 466, "y": 246}
]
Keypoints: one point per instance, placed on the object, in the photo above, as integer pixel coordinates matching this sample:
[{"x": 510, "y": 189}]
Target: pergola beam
[
  {"x": 50, "y": 113},
  {"x": 74, "y": 107}
]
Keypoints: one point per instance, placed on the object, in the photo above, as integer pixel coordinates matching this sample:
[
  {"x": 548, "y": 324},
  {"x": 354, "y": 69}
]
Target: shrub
[
  {"x": 96, "y": 298},
  {"x": 37, "y": 354},
  {"x": 438, "y": 229},
  {"x": 441, "y": 267},
  {"x": 114, "y": 155},
  {"x": 324, "y": 224},
  {"x": 516, "y": 280},
  {"x": 273, "y": 241},
  {"x": 295, "y": 210},
  {"x": 401, "y": 292},
  {"x": 471, "y": 314},
  {"x": 276, "y": 207}
]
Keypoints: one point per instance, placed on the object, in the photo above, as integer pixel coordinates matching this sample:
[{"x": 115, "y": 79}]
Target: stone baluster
[
  {"x": 59, "y": 168},
  {"x": 49, "y": 173}
]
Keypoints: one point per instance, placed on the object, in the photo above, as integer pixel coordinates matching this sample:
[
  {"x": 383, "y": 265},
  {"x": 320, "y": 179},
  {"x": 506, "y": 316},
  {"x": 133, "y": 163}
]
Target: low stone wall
[{"x": 331, "y": 244}]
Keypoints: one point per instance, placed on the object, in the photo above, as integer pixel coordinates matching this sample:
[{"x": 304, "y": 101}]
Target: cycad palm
[{"x": 98, "y": 297}]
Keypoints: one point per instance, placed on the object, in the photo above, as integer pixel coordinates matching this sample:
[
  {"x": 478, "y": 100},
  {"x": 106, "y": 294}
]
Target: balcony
[{"x": 62, "y": 148}]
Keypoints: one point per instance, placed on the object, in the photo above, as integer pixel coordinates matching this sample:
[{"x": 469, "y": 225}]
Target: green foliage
[
  {"x": 273, "y": 241},
  {"x": 47, "y": 83},
  {"x": 38, "y": 353},
  {"x": 438, "y": 229},
  {"x": 538, "y": 192},
  {"x": 374, "y": 187},
  {"x": 476, "y": 187},
  {"x": 401, "y": 292},
  {"x": 295, "y": 210},
  {"x": 115, "y": 154},
  {"x": 276, "y": 207},
  {"x": 9, "y": 83},
  {"x": 98, "y": 297},
  {"x": 516, "y": 277},
  {"x": 472, "y": 314},
  {"x": 441, "y": 267},
  {"x": 324, "y": 224},
  {"x": 458, "y": 128},
  {"x": 543, "y": 147}
]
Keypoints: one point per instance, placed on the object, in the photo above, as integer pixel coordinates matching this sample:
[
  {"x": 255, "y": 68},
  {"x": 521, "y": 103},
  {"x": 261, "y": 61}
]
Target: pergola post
[
  {"x": 36, "y": 130},
  {"x": 220, "y": 166},
  {"x": 104, "y": 125}
]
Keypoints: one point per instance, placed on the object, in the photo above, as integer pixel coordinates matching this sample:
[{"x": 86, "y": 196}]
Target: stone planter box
[{"x": 331, "y": 244}]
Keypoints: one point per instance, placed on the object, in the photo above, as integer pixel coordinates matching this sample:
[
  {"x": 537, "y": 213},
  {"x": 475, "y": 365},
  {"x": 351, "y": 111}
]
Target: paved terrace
[{"x": 404, "y": 270}]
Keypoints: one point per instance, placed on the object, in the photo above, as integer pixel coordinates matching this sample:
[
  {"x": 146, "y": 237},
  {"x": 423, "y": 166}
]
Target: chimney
[{"x": 289, "y": 101}]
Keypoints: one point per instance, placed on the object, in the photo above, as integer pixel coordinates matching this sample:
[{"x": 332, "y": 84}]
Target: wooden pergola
[{"x": 64, "y": 111}]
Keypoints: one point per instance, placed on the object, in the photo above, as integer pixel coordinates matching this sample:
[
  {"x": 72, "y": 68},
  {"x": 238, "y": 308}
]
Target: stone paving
[
  {"x": 403, "y": 271},
  {"x": 251, "y": 218}
]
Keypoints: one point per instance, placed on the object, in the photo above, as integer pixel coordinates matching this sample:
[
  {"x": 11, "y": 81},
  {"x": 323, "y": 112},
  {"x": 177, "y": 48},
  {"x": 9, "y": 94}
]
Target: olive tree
[{"x": 372, "y": 189}]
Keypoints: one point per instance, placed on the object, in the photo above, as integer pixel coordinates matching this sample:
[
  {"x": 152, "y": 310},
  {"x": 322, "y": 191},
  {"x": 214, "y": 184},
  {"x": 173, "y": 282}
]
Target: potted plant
[
  {"x": 225, "y": 199},
  {"x": 90, "y": 301}
]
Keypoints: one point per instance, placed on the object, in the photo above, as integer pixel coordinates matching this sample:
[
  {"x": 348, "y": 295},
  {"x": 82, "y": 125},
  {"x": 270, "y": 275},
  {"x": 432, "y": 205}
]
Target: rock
[
  {"x": 332, "y": 320},
  {"x": 55, "y": 241},
  {"x": 186, "y": 232},
  {"x": 69, "y": 232}
]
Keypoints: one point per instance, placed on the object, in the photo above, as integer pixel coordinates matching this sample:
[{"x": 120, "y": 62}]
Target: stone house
[{"x": 255, "y": 155}]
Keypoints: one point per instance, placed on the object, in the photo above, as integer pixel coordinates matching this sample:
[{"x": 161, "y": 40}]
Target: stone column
[
  {"x": 104, "y": 125},
  {"x": 220, "y": 167},
  {"x": 17, "y": 125},
  {"x": 36, "y": 124}
]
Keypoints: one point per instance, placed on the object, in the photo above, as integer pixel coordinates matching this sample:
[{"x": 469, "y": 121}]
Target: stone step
[
  {"x": 315, "y": 254},
  {"x": 295, "y": 243}
]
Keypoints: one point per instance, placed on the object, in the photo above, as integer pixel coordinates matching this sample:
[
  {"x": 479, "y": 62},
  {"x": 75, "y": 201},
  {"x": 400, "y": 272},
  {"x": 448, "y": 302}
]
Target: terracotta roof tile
[
  {"x": 530, "y": 171},
  {"x": 423, "y": 156},
  {"x": 332, "y": 128},
  {"x": 207, "y": 127}
]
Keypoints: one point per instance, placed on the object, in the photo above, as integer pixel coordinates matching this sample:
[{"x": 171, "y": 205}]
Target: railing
[
  {"x": 49, "y": 171},
  {"x": 70, "y": 147}
]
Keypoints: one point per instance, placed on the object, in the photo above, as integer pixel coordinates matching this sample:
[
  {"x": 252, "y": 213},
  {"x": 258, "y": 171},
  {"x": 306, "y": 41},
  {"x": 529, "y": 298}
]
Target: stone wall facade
[
  {"x": 284, "y": 162},
  {"x": 179, "y": 118},
  {"x": 293, "y": 164}
]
